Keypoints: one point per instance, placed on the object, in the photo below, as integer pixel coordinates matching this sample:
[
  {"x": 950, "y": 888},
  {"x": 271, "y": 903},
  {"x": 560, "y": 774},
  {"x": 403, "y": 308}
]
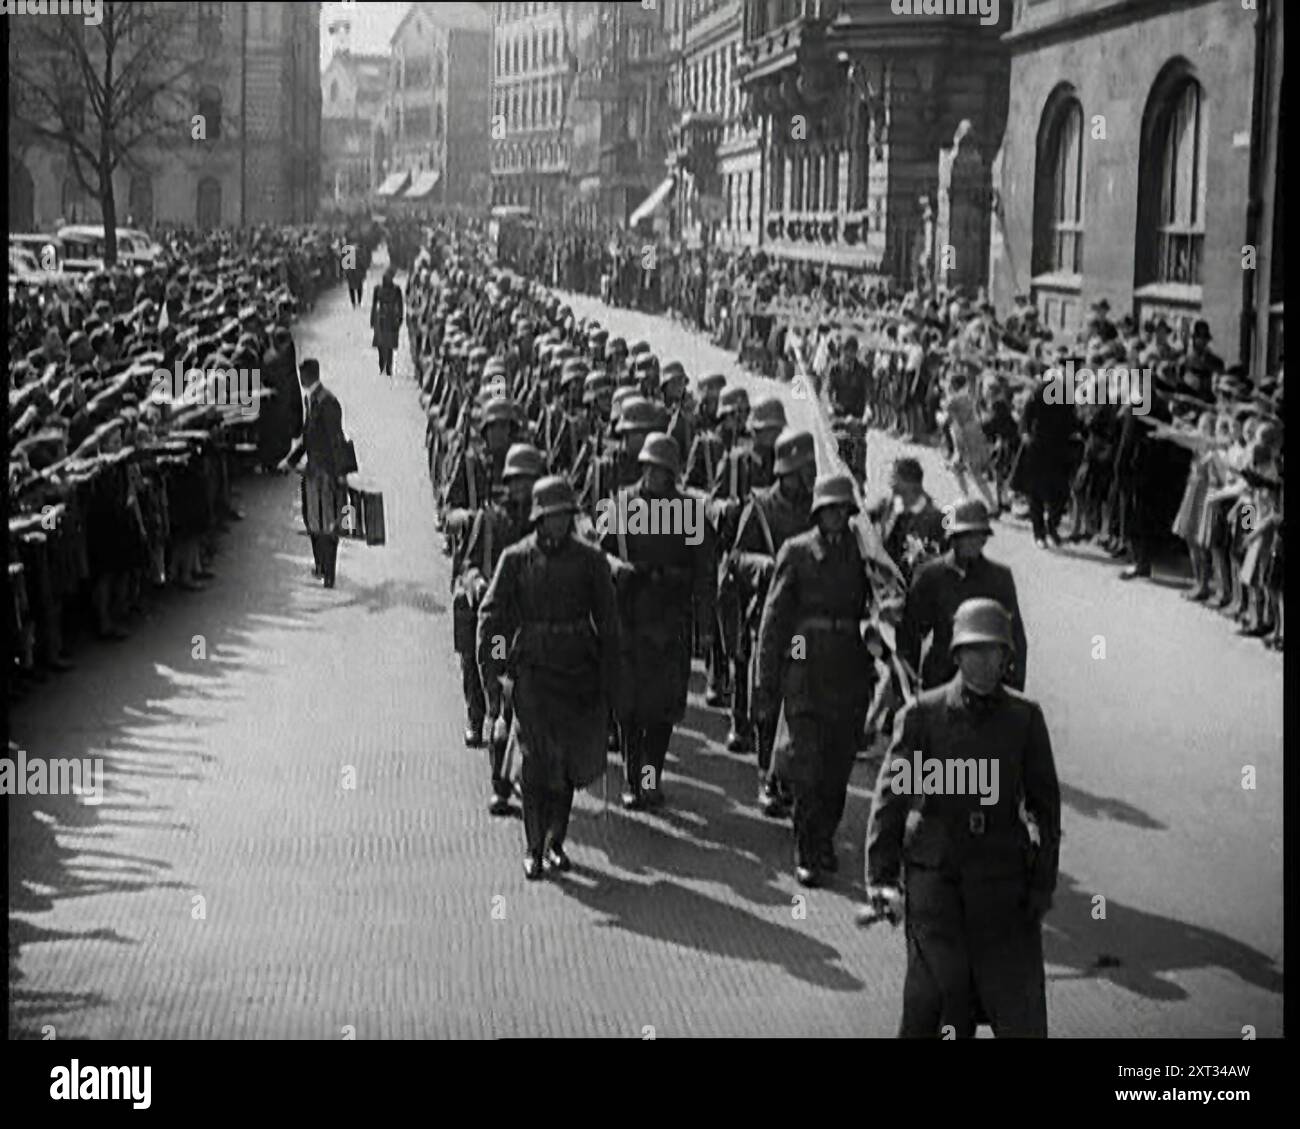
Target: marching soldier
[
  {"x": 711, "y": 444},
  {"x": 493, "y": 529},
  {"x": 940, "y": 586},
  {"x": 664, "y": 577},
  {"x": 773, "y": 515},
  {"x": 811, "y": 654},
  {"x": 977, "y": 869},
  {"x": 620, "y": 467},
  {"x": 476, "y": 471},
  {"x": 548, "y": 637}
]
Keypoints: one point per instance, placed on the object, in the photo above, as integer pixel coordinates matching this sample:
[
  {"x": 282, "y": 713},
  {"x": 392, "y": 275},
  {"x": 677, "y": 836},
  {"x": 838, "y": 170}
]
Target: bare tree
[{"x": 108, "y": 93}]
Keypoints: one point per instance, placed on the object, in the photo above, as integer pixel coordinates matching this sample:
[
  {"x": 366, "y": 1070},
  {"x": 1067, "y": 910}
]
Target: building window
[
  {"x": 140, "y": 200},
  {"x": 1171, "y": 224},
  {"x": 1058, "y": 235},
  {"x": 210, "y": 111},
  {"x": 209, "y": 202}
]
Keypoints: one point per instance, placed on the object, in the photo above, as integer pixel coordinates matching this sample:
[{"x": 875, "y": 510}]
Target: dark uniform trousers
[
  {"x": 828, "y": 747},
  {"x": 645, "y": 746},
  {"x": 546, "y": 809}
]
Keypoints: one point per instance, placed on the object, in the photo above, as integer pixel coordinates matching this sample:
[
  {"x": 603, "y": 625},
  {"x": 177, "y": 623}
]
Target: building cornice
[{"x": 1047, "y": 31}]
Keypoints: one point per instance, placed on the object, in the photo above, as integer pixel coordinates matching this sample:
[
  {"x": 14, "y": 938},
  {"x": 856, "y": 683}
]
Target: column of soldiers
[{"x": 576, "y": 631}]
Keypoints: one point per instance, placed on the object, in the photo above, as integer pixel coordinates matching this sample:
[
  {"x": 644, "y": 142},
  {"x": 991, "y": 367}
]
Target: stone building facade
[
  {"x": 1142, "y": 161},
  {"x": 268, "y": 172},
  {"x": 879, "y": 134},
  {"x": 706, "y": 37},
  {"x": 435, "y": 129},
  {"x": 531, "y": 53},
  {"x": 353, "y": 87}
]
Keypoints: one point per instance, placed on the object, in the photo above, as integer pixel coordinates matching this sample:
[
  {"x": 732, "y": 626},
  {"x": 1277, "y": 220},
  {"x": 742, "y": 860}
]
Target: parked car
[
  {"x": 133, "y": 246},
  {"x": 37, "y": 243},
  {"x": 25, "y": 267}
]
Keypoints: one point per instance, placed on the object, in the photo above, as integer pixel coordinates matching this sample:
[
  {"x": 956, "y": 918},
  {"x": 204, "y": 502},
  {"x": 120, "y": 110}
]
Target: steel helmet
[
  {"x": 498, "y": 410},
  {"x": 639, "y": 347},
  {"x": 733, "y": 399},
  {"x": 794, "y": 449},
  {"x": 712, "y": 382},
  {"x": 621, "y": 396},
  {"x": 981, "y": 621},
  {"x": 552, "y": 495},
  {"x": 495, "y": 366},
  {"x": 615, "y": 345},
  {"x": 594, "y": 383},
  {"x": 768, "y": 413},
  {"x": 523, "y": 460},
  {"x": 661, "y": 450},
  {"x": 574, "y": 370},
  {"x": 834, "y": 490},
  {"x": 640, "y": 414},
  {"x": 967, "y": 517}
]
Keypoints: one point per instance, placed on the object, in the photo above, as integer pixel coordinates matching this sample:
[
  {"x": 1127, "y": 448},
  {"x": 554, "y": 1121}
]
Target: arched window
[
  {"x": 140, "y": 199},
  {"x": 1058, "y": 190},
  {"x": 1171, "y": 210},
  {"x": 210, "y": 110},
  {"x": 209, "y": 202}
]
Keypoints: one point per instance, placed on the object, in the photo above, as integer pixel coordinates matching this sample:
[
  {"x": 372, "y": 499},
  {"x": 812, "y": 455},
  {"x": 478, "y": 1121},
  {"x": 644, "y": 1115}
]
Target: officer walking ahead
[
  {"x": 549, "y": 625},
  {"x": 978, "y": 864},
  {"x": 811, "y": 652}
]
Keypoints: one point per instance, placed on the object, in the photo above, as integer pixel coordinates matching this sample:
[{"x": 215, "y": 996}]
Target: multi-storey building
[
  {"x": 531, "y": 72},
  {"x": 621, "y": 116},
  {"x": 879, "y": 133},
  {"x": 353, "y": 87},
  {"x": 706, "y": 36},
  {"x": 255, "y": 81},
  {"x": 1142, "y": 165},
  {"x": 432, "y": 144}
]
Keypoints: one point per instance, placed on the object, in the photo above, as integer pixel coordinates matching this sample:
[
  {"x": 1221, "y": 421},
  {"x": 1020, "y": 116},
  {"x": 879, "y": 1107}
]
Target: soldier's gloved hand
[{"x": 1036, "y": 905}]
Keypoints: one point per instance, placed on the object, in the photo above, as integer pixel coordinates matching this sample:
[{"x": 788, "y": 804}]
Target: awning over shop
[
  {"x": 422, "y": 186},
  {"x": 393, "y": 184},
  {"x": 653, "y": 202}
]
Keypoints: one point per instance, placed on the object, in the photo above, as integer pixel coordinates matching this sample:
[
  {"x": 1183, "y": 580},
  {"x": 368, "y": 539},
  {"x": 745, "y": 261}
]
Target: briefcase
[{"x": 367, "y": 509}]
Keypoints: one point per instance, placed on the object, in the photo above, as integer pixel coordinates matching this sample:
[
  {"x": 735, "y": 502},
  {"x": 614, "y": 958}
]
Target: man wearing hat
[
  {"x": 940, "y": 586},
  {"x": 812, "y": 658},
  {"x": 386, "y": 319},
  {"x": 677, "y": 401},
  {"x": 548, "y": 641},
  {"x": 975, "y": 863},
  {"x": 475, "y": 469},
  {"x": 493, "y": 529},
  {"x": 324, "y": 483},
  {"x": 748, "y": 467},
  {"x": 1048, "y": 456},
  {"x": 665, "y": 581},
  {"x": 1201, "y": 364},
  {"x": 772, "y": 516}
]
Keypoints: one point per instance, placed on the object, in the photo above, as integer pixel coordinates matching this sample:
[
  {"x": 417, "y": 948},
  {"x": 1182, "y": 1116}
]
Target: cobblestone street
[{"x": 231, "y": 886}]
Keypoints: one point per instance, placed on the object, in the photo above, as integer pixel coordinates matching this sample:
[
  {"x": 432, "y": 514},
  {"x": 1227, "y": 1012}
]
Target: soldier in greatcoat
[
  {"x": 548, "y": 625},
  {"x": 969, "y": 858},
  {"x": 812, "y": 658}
]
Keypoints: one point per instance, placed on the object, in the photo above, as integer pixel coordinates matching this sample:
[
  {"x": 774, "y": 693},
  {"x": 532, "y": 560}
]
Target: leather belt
[
  {"x": 830, "y": 623},
  {"x": 560, "y": 626}
]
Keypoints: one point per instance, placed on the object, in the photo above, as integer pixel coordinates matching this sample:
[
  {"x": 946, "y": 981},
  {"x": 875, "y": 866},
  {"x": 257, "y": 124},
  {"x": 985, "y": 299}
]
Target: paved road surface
[{"x": 232, "y": 884}]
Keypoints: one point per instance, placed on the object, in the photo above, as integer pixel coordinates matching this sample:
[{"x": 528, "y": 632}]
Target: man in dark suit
[
  {"x": 911, "y": 525},
  {"x": 324, "y": 483},
  {"x": 942, "y": 585}
]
